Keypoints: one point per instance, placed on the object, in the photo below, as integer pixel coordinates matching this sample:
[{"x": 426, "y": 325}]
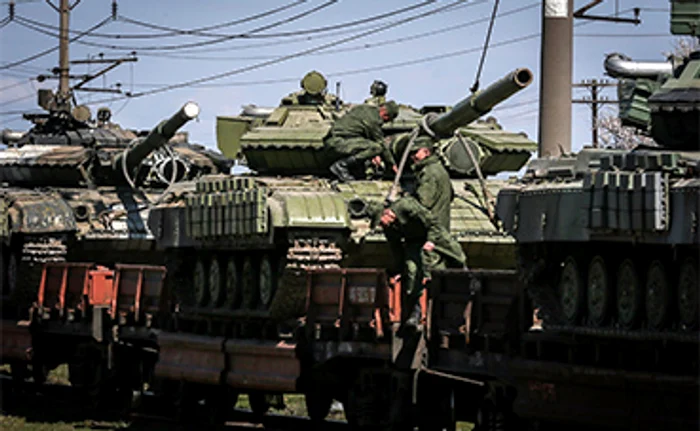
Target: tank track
[{"x": 542, "y": 276}]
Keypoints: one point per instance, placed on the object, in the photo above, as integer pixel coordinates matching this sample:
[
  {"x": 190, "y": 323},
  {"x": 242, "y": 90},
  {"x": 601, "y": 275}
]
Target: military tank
[
  {"x": 253, "y": 234},
  {"x": 79, "y": 189},
  {"x": 608, "y": 238}
]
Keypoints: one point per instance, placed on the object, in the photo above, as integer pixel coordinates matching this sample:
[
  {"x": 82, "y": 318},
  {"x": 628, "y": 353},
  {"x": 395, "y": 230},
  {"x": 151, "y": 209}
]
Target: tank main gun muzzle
[
  {"x": 157, "y": 137},
  {"x": 479, "y": 103}
]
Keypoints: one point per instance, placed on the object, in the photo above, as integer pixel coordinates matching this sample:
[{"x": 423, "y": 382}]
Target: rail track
[{"x": 49, "y": 404}]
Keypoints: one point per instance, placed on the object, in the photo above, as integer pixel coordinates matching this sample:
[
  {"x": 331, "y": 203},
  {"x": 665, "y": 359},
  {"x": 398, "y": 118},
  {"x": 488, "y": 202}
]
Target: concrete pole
[
  {"x": 555, "y": 77},
  {"x": 63, "y": 55}
]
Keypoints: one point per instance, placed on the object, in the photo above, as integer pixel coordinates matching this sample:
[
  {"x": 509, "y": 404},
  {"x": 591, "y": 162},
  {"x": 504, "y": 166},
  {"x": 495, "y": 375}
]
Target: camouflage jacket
[
  {"x": 415, "y": 225},
  {"x": 363, "y": 121},
  {"x": 434, "y": 189}
]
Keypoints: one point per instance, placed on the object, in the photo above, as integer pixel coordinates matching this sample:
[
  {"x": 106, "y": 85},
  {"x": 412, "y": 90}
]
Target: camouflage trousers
[
  {"x": 363, "y": 149},
  {"x": 416, "y": 266}
]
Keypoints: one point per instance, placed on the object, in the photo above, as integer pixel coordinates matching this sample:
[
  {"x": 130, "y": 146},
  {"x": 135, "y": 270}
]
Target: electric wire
[
  {"x": 253, "y": 34},
  {"x": 55, "y": 48},
  {"x": 291, "y": 56},
  {"x": 334, "y": 26},
  {"x": 16, "y": 84},
  {"x": 429, "y": 59},
  {"x": 248, "y": 34},
  {"x": 364, "y": 46},
  {"x": 172, "y": 32},
  {"x": 277, "y": 43},
  {"x": 4, "y": 22}
]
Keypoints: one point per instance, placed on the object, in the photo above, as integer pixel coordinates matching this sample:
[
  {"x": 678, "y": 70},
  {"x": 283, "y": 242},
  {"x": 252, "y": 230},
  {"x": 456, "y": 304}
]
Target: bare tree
[{"x": 612, "y": 133}]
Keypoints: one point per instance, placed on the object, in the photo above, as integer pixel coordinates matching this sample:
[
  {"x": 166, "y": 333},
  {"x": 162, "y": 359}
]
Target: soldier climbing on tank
[
  {"x": 357, "y": 137},
  {"x": 419, "y": 245},
  {"x": 433, "y": 189}
]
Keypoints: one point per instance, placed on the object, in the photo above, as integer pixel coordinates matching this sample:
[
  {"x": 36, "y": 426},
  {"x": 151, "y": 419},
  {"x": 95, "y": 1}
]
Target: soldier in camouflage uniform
[
  {"x": 419, "y": 244},
  {"x": 357, "y": 137},
  {"x": 433, "y": 189}
]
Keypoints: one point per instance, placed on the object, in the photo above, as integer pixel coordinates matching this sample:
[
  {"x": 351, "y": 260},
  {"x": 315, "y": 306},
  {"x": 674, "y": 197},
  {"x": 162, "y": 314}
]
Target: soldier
[
  {"x": 357, "y": 137},
  {"x": 419, "y": 244},
  {"x": 434, "y": 189}
]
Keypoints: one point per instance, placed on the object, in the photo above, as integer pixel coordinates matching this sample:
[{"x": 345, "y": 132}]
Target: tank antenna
[{"x": 337, "y": 96}]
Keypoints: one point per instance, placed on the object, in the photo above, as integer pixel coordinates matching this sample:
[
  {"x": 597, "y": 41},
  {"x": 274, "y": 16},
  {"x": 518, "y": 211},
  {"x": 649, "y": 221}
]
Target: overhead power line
[
  {"x": 55, "y": 48},
  {"x": 324, "y": 28},
  {"x": 293, "y": 55},
  {"x": 364, "y": 46},
  {"x": 386, "y": 66},
  {"x": 248, "y": 34},
  {"x": 257, "y": 32},
  {"x": 171, "y": 32}
]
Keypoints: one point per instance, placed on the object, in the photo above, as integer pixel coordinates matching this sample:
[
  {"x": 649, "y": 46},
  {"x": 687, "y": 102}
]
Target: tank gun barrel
[
  {"x": 158, "y": 137},
  {"x": 621, "y": 66},
  {"x": 480, "y": 103},
  {"x": 11, "y": 136}
]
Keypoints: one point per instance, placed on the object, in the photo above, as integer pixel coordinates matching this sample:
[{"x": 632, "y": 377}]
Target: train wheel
[
  {"x": 598, "y": 292},
  {"x": 199, "y": 282},
  {"x": 259, "y": 404},
  {"x": 13, "y": 261},
  {"x": 571, "y": 291},
  {"x": 267, "y": 281},
  {"x": 222, "y": 401},
  {"x": 4, "y": 255},
  {"x": 688, "y": 294},
  {"x": 318, "y": 404},
  {"x": 86, "y": 373},
  {"x": 490, "y": 418},
  {"x": 216, "y": 291},
  {"x": 658, "y": 295},
  {"x": 249, "y": 285},
  {"x": 629, "y": 295},
  {"x": 231, "y": 283}
]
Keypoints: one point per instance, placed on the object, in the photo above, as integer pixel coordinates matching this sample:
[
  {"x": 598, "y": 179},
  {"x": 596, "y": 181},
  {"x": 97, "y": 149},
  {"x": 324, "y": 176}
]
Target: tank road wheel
[
  {"x": 231, "y": 283},
  {"x": 267, "y": 281},
  {"x": 216, "y": 291},
  {"x": 658, "y": 295},
  {"x": 199, "y": 282},
  {"x": 249, "y": 285},
  {"x": 629, "y": 295},
  {"x": 688, "y": 294},
  {"x": 571, "y": 291},
  {"x": 598, "y": 292}
]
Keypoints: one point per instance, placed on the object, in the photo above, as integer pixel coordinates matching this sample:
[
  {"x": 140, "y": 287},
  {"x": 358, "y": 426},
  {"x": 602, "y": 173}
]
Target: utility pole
[
  {"x": 64, "y": 92},
  {"x": 594, "y": 86},
  {"x": 62, "y": 73},
  {"x": 555, "y": 78}
]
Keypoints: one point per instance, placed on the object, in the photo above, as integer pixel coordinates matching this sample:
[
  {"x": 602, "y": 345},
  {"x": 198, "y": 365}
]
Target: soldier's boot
[
  {"x": 341, "y": 169},
  {"x": 414, "y": 316}
]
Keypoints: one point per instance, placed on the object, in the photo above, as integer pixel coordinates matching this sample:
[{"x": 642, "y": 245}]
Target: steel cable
[{"x": 50, "y": 50}]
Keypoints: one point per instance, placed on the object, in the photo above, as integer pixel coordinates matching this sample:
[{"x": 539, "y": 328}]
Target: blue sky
[{"x": 430, "y": 60}]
